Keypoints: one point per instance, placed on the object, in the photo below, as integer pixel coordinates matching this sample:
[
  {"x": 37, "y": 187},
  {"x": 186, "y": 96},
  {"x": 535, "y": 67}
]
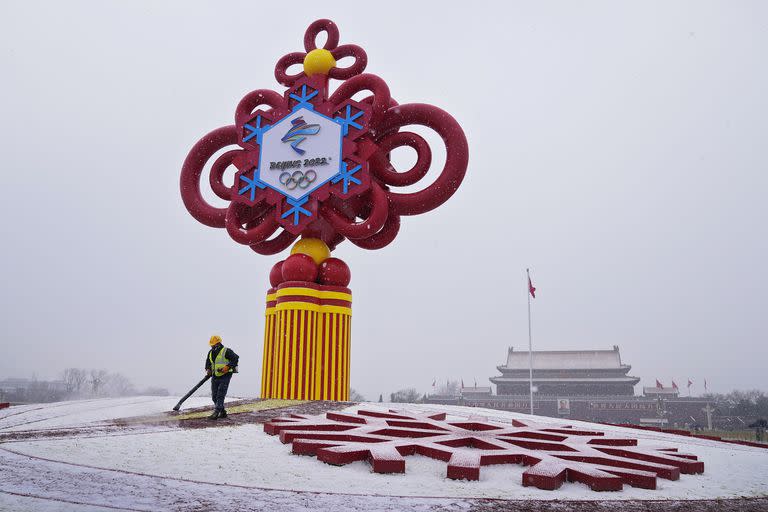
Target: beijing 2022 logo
[{"x": 298, "y": 132}]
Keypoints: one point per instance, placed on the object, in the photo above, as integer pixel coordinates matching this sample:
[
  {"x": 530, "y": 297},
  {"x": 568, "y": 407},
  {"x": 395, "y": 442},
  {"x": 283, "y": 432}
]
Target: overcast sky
[{"x": 618, "y": 149}]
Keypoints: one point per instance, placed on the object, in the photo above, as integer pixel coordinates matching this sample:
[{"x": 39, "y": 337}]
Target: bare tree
[
  {"x": 98, "y": 378},
  {"x": 74, "y": 378},
  {"x": 450, "y": 388},
  {"x": 749, "y": 403},
  {"x": 409, "y": 395},
  {"x": 117, "y": 384},
  {"x": 355, "y": 396}
]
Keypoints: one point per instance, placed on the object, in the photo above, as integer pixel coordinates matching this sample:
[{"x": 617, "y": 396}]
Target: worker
[{"x": 220, "y": 364}]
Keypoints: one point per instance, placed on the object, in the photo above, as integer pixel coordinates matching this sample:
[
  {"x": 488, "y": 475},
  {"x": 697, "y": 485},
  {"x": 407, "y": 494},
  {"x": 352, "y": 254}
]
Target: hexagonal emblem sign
[
  {"x": 311, "y": 161},
  {"x": 300, "y": 153},
  {"x": 296, "y": 158}
]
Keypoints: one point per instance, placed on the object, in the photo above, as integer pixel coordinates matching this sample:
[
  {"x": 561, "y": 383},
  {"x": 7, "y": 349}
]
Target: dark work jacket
[{"x": 214, "y": 352}]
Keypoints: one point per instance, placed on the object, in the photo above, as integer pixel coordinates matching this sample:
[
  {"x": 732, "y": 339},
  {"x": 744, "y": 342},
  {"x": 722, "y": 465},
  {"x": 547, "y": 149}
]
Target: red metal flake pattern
[{"x": 555, "y": 455}]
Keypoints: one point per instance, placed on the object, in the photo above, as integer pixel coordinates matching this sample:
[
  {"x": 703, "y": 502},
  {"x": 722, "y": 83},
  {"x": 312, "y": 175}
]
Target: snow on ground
[
  {"x": 245, "y": 456},
  {"x": 32, "y": 485},
  {"x": 81, "y": 412},
  {"x": 14, "y": 503}
]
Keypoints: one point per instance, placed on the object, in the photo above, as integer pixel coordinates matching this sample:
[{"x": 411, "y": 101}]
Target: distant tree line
[
  {"x": 406, "y": 396},
  {"x": 450, "y": 388},
  {"x": 30, "y": 391},
  {"x": 750, "y": 404},
  {"x": 742, "y": 404},
  {"x": 75, "y": 383},
  {"x": 412, "y": 396},
  {"x": 82, "y": 383}
]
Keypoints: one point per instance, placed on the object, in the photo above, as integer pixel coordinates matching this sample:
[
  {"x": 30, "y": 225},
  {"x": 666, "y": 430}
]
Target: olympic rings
[{"x": 297, "y": 179}]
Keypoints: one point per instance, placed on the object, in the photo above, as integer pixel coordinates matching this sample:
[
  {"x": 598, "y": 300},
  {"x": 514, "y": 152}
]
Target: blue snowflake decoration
[{"x": 346, "y": 176}]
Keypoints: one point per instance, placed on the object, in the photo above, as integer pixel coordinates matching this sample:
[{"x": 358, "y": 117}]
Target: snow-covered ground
[
  {"x": 82, "y": 412},
  {"x": 246, "y": 460}
]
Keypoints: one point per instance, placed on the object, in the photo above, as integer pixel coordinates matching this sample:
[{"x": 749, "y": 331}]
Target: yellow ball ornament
[
  {"x": 312, "y": 247},
  {"x": 318, "y": 61}
]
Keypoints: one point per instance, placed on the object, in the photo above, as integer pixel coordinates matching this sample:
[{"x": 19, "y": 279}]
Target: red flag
[
  {"x": 690, "y": 383},
  {"x": 531, "y": 289},
  {"x": 674, "y": 385},
  {"x": 659, "y": 384}
]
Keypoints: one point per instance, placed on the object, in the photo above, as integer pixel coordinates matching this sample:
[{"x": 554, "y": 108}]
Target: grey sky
[{"x": 616, "y": 148}]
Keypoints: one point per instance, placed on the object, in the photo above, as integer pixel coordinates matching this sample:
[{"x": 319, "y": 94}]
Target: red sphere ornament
[
  {"x": 334, "y": 272},
  {"x": 299, "y": 267},
  {"x": 276, "y": 274}
]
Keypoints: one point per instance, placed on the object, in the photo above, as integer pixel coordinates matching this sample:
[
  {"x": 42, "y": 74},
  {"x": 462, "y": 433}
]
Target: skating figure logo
[{"x": 298, "y": 132}]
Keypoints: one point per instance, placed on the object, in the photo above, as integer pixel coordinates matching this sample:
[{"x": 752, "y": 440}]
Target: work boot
[
  {"x": 214, "y": 415},
  {"x": 223, "y": 414}
]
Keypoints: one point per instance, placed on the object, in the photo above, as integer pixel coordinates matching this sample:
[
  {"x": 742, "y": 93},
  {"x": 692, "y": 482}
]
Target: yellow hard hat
[{"x": 214, "y": 340}]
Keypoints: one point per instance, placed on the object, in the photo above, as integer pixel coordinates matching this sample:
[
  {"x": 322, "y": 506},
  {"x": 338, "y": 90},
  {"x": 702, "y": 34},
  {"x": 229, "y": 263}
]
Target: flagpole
[{"x": 530, "y": 342}]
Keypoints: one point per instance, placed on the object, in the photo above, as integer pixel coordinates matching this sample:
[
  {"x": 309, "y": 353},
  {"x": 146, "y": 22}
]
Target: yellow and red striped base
[{"x": 307, "y": 342}]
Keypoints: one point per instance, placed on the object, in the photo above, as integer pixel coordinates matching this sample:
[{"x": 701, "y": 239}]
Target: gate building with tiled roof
[{"x": 566, "y": 373}]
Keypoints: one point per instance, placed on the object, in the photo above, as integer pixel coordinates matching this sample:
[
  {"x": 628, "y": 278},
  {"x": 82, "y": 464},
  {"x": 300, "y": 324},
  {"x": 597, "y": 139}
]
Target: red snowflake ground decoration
[
  {"x": 316, "y": 164},
  {"x": 555, "y": 455}
]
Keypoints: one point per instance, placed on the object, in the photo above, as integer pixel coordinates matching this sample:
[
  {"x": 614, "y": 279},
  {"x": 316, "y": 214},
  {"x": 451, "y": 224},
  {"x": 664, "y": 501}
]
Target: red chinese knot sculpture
[
  {"x": 314, "y": 163},
  {"x": 317, "y": 164}
]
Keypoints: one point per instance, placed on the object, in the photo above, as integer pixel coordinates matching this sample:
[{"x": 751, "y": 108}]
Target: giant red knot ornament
[{"x": 315, "y": 163}]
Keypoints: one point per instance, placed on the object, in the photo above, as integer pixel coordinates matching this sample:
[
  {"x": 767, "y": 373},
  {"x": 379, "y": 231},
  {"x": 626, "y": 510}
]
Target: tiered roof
[
  {"x": 566, "y": 367},
  {"x": 566, "y": 360}
]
